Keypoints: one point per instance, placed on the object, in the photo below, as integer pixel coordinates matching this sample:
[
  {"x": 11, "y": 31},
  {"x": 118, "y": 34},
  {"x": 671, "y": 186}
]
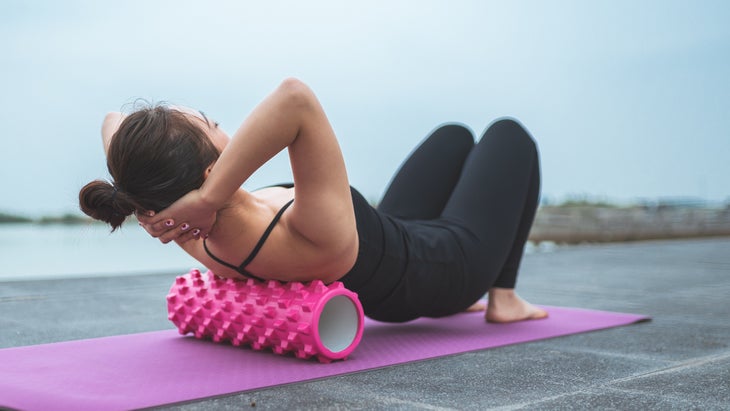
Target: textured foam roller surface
[{"x": 304, "y": 319}]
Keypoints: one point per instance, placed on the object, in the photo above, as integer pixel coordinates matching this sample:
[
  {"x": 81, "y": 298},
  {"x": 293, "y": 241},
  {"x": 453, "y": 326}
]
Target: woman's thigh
[
  {"x": 491, "y": 193},
  {"x": 424, "y": 183}
]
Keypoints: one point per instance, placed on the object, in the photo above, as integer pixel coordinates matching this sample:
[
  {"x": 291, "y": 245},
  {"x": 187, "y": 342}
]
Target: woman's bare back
[{"x": 284, "y": 256}]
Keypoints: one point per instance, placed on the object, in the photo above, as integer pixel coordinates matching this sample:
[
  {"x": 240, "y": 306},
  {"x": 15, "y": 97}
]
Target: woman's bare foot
[
  {"x": 505, "y": 306},
  {"x": 476, "y": 307}
]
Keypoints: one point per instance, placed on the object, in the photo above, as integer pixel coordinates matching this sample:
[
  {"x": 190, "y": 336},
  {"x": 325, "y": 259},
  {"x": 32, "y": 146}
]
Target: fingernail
[
  {"x": 169, "y": 223},
  {"x": 196, "y": 232},
  {"x": 151, "y": 213},
  {"x": 184, "y": 226}
]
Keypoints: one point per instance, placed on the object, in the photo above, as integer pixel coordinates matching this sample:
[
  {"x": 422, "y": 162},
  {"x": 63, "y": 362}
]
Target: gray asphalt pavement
[{"x": 679, "y": 360}]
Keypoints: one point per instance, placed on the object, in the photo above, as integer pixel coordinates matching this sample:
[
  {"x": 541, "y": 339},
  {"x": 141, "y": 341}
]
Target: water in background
[
  {"x": 29, "y": 251},
  {"x": 37, "y": 252}
]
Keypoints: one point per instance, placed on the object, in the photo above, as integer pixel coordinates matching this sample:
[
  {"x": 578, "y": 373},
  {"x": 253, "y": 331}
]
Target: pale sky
[{"x": 627, "y": 99}]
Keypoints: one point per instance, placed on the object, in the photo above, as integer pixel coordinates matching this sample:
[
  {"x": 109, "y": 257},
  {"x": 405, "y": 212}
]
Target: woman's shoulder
[{"x": 274, "y": 194}]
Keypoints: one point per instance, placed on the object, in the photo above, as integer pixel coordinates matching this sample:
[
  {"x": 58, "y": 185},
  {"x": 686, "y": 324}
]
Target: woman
[{"x": 451, "y": 226}]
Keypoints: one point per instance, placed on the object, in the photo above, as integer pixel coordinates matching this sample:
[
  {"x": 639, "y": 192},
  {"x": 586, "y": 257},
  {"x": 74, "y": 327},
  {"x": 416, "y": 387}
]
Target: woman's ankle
[{"x": 504, "y": 305}]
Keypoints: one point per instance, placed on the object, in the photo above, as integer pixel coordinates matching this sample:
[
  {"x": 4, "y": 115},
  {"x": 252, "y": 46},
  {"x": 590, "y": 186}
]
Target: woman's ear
[{"x": 208, "y": 170}]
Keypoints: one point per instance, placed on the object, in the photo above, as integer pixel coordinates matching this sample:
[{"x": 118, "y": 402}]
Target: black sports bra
[{"x": 241, "y": 269}]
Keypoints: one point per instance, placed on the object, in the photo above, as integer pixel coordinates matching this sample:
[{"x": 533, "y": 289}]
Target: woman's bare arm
[
  {"x": 109, "y": 127},
  {"x": 290, "y": 117}
]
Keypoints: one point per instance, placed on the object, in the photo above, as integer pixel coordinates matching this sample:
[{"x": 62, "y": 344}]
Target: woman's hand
[{"x": 190, "y": 217}]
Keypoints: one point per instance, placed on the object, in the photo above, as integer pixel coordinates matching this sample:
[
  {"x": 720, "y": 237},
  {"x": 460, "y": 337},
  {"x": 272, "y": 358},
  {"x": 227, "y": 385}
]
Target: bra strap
[
  {"x": 216, "y": 259},
  {"x": 263, "y": 238},
  {"x": 242, "y": 268}
]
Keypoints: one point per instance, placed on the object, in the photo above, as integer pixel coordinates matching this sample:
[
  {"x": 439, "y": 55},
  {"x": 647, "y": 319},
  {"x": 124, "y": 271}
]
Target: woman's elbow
[
  {"x": 296, "y": 92},
  {"x": 111, "y": 122},
  {"x": 112, "y": 117},
  {"x": 109, "y": 126}
]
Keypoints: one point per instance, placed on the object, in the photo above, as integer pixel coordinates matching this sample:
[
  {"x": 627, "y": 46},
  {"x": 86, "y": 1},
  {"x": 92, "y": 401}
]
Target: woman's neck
[
  {"x": 238, "y": 207},
  {"x": 240, "y": 199}
]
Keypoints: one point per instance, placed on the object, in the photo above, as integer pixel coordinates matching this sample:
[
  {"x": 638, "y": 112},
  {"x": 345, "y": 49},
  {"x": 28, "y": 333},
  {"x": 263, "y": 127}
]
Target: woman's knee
[
  {"x": 510, "y": 131},
  {"x": 453, "y": 134}
]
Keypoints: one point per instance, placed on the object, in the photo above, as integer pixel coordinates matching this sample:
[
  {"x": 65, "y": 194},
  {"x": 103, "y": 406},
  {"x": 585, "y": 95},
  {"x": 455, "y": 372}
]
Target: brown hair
[{"x": 157, "y": 155}]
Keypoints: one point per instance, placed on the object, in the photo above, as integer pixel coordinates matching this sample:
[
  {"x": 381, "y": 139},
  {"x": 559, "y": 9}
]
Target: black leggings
[{"x": 492, "y": 187}]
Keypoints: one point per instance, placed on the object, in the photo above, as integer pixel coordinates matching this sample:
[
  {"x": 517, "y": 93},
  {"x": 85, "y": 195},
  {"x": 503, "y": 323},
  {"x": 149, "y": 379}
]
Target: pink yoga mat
[{"x": 162, "y": 367}]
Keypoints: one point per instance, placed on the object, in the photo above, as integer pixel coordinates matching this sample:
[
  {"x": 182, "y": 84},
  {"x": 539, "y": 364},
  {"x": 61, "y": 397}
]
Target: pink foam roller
[{"x": 307, "y": 319}]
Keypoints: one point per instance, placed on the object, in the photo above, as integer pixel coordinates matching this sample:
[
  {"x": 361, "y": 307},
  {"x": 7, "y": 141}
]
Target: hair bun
[{"x": 104, "y": 202}]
